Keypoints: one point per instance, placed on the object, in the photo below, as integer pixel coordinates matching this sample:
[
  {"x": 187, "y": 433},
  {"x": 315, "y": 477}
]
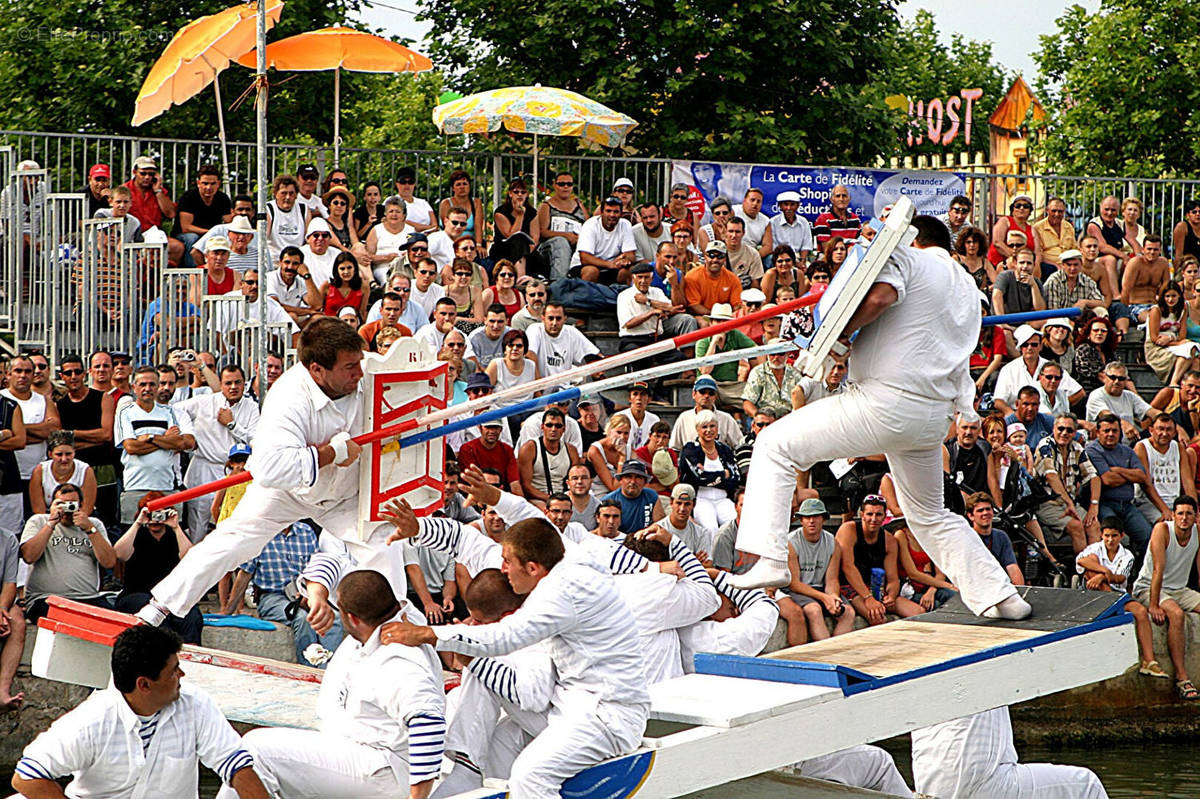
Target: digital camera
[
  {"x": 69, "y": 507},
  {"x": 160, "y": 515}
]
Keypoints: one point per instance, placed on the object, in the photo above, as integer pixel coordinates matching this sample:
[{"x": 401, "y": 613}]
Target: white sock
[
  {"x": 152, "y": 614},
  {"x": 1012, "y": 608},
  {"x": 766, "y": 573}
]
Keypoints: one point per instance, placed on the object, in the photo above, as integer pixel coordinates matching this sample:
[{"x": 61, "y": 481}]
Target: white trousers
[
  {"x": 714, "y": 513},
  {"x": 862, "y": 766},
  {"x": 305, "y": 764},
  {"x": 259, "y": 517},
  {"x": 473, "y": 716},
  {"x": 572, "y": 741},
  {"x": 974, "y": 758},
  {"x": 199, "y": 510},
  {"x": 866, "y": 419}
]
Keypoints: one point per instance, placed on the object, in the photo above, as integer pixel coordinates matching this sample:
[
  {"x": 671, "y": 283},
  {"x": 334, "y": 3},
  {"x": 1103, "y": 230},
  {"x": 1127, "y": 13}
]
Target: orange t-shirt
[{"x": 701, "y": 288}]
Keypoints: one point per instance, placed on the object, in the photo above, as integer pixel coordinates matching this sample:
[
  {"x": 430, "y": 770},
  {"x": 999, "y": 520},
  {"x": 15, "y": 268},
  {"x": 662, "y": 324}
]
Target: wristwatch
[
  {"x": 150, "y": 440},
  {"x": 232, "y": 424}
]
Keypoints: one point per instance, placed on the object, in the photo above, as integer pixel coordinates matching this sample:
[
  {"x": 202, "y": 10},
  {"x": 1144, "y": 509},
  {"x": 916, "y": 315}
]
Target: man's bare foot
[{"x": 11, "y": 704}]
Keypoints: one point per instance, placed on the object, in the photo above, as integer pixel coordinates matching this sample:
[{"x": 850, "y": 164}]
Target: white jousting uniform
[
  {"x": 910, "y": 373},
  {"x": 213, "y": 441},
  {"x": 100, "y": 742},
  {"x": 287, "y": 486},
  {"x": 601, "y": 702},
  {"x": 744, "y": 634},
  {"x": 973, "y": 757},
  {"x": 382, "y": 726}
]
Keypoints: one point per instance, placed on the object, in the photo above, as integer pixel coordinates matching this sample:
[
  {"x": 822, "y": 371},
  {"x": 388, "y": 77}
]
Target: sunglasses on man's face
[
  {"x": 564, "y": 183},
  {"x": 339, "y": 181}
]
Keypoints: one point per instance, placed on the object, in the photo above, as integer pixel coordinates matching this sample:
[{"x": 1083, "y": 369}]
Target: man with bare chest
[{"x": 1144, "y": 277}]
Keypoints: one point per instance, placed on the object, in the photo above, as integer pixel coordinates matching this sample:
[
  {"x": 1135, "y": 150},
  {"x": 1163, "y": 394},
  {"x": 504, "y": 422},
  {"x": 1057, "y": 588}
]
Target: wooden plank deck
[{"x": 902, "y": 646}]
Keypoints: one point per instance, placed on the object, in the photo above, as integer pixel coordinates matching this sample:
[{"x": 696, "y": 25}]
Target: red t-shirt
[
  {"x": 991, "y": 343},
  {"x": 224, "y": 287},
  {"x": 499, "y": 457},
  {"x": 145, "y": 207}
]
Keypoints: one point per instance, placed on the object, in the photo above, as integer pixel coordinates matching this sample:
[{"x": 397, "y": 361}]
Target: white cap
[
  {"x": 27, "y": 166},
  {"x": 1058, "y": 321},
  {"x": 787, "y": 197},
  {"x": 622, "y": 182},
  {"x": 753, "y": 295},
  {"x": 317, "y": 225},
  {"x": 1023, "y": 334},
  {"x": 347, "y": 311},
  {"x": 240, "y": 224},
  {"x": 218, "y": 243},
  {"x": 722, "y": 310}
]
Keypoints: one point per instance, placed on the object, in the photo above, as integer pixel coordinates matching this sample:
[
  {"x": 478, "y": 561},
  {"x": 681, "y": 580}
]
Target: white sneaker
[
  {"x": 766, "y": 573},
  {"x": 1011, "y": 609}
]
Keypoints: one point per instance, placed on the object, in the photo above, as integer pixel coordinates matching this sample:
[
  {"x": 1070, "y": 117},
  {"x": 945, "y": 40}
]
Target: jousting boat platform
[{"x": 736, "y": 716}]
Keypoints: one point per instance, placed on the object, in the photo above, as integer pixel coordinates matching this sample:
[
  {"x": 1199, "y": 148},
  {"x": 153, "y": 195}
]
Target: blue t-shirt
[
  {"x": 636, "y": 513},
  {"x": 657, "y": 281},
  {"x": 1000, "y": 545},
  {"x": 1041, "y": 427},
  {"x": 1104, "y": 459}
]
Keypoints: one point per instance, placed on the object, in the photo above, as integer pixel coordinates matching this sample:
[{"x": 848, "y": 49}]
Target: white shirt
[
  {"x": 1013, "y": 376},
  {"x": 557, "y": 354},
  {"x": 214, "y": 439},
  {"x": 589, "y": 629},
  {"x": 419, "y": 211},
  {"x": 319, "y": 266},
  {"x": 628, "y": 307},
  {"x": 297, "y": 417},
  {"x": 426, "y": 300},
  {"x": 98, "y": 743},
  {"x": 745, "y": 634},
  {"x": 1061, "y": 403},
  {"x": 1121, "y": 564},
  {"x": 1127, "y": 405},
  {"x": 441, "y": 248},
  {"x": 370, "y": 693},
  {"x": 934, "y": 322},
  {"x": 274, "y": 286},
  {"x": 797, "y": 235},
  {"x": 756, "y": 228},
  {"x": 605, "y": 244},
  {"x": 728, "y": 431},
  {"x": 434, "y": 339},
  {"x": 314, "y": 203},
  {"x": 284, "y": 229},
  {"x": 236, "y": 312},
  {"x": 639, "y": 433},
  {"x": 33, "y": 411},
  {"x": 531, "y": 430},
  {"x": 157, "y": 470}
]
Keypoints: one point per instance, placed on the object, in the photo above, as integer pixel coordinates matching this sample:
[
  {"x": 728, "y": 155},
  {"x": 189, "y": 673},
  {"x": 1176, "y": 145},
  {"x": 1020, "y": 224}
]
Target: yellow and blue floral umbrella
[{"x": 540, "y": 110}]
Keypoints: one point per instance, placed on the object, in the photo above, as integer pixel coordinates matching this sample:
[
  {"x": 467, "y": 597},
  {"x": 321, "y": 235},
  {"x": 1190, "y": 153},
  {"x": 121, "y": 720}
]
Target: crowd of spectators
[{"x": 1067, "y": 445}]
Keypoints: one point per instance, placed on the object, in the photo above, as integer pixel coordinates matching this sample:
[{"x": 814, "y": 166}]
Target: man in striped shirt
[
  {"x": 141, "y": 736},
  {"x": 382, "y": 711},
  {"x": 839, "y": 220}
]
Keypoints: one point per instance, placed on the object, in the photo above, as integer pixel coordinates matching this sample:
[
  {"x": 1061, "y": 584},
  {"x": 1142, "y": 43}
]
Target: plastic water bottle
[{"x": 877, "y": 579}]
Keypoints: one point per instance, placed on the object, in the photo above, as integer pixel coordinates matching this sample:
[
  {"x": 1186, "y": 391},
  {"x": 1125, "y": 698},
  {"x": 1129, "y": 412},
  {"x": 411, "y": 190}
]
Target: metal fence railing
[{"x": 68, "y": 283}]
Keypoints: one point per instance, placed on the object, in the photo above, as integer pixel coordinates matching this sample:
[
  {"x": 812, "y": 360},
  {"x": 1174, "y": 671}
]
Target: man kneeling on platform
[
  {"x": 1161, "y": 585},
  {"x": 141, "y": 736},
  {"x": 381, "y": 712}
]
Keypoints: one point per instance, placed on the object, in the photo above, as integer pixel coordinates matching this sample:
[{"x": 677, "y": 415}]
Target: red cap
[{"x": 99, "y": 171}]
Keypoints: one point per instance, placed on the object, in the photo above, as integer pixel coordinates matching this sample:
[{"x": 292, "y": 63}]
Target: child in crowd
[
  {"x": 1021, "y": 453},
  {"x": 1105, "y": 566},
  {"x": 225, "y": 501}
]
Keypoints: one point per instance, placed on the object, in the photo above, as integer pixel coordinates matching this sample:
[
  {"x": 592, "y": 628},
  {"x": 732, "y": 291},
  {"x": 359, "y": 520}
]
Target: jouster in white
[
  {"x": 921, "y": 309},
  {"x": 382, "y": 720}
]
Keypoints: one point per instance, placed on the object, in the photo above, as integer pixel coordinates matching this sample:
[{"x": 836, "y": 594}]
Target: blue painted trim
[
  {"x": 788, "y": 671},
  {"x": 994, "y": 652},
  {"x": 488, "y": 416},
  {"x": 851, "y": 681}
]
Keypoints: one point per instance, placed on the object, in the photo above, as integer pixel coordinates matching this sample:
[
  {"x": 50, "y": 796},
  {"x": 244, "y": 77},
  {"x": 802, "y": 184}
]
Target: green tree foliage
[
  {"x": 1122, "y": 90},
  {"x": 77, "y": 65},
  {"x": 758, "y": 80},
  {"x": 926, "y": 68}
]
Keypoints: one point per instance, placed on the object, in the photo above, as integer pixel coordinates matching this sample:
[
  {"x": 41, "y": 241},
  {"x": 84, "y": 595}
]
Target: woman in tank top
[
  {"x": 345, "y": 289},
  {"x": 1018, "y": 219},
  {"x": 783, "y": 272},
  {"x": 504, "y": 292},
  {"x": 514, "y": 369},
  {"x": 468, "y": 299},
  {"x": 927, "y": 584},
  {"x": 517, "y": 215},
  {"x": 1185, "y": 237},
  {"x": 1165, "y": 329},
  {"x": 607, "y": 455},
  {"x": 61, "y": 467},
  {"x": 384, "y": 240},
  {"x": 370, "y": 213},
  {"x": 466, "y": 249},
  {"x": 462, "y": 196},
  {"x": 340, "y": 203}
]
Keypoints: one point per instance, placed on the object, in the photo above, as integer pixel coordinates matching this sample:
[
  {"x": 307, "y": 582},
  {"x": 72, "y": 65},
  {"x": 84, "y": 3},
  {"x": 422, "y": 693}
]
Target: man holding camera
[
  {"x": 65, "y": 549},
  {"x": 150, "y": 548}
]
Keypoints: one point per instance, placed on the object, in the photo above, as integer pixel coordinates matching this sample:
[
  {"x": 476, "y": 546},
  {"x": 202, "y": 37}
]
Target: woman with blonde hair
[{"x": 607, "y": 455}]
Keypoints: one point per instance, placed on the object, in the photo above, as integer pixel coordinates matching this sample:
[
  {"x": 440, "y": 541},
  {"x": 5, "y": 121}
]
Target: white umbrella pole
[
  {"x": 337, "y": 113},
  {"x": 260, "y": 115},
  {"x": 535, "y": 183},
  {"x": 221, "y": 128}
]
